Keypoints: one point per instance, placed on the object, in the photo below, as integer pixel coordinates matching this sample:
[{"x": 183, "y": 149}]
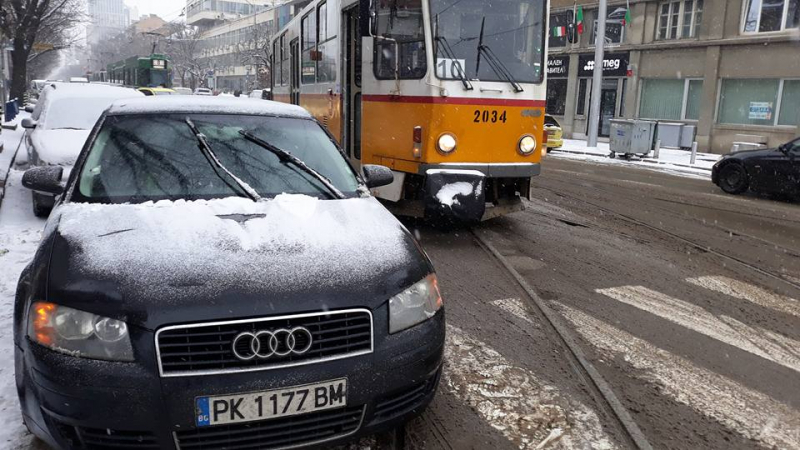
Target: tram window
[
  {"x": 327, "y": 47},
  {"x": 285, "y": 65},
  {"x": 310, "y": 56},
  {"x": 276, "y": 64},
  {"x": 400, "y": 23}
]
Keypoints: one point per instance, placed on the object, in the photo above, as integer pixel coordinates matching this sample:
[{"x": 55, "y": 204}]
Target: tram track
[
  {"x": 702, "y": 247},
  {"x": 597, "y": 384}
]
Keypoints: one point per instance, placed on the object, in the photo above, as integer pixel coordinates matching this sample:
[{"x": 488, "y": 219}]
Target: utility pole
[{"x": 597, "y": 75}]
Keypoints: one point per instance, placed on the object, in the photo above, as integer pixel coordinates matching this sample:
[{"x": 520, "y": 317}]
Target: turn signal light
[{"x": 417, "y": 142}]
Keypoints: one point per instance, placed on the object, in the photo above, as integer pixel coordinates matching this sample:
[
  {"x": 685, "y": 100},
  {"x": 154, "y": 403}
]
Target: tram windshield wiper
[
  {"x": 288, "y": 158},
  {"x": 448, "y": 51},
  {"x": 212, "y": 159},
  {"x": 494, "y": 62}
]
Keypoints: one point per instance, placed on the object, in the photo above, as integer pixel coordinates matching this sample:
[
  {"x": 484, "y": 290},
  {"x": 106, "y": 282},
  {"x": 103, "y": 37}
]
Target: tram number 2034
[{"x": 486, "y": 116}]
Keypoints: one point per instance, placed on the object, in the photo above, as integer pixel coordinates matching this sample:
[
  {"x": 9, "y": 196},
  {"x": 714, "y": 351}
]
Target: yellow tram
[{"x": 449, "y": 94}]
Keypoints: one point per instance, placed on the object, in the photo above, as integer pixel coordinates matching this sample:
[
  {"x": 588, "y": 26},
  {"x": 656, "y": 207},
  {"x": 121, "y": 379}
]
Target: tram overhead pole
[{"x": 597, "y": 75}]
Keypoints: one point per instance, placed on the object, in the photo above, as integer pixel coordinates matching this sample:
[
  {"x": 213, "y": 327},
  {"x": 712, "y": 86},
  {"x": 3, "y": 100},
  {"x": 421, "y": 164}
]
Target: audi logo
[{"x": 265, "y": 344}]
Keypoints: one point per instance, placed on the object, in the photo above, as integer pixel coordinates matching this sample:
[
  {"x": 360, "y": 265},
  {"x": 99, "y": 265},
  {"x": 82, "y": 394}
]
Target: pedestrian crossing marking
[
  {"x": 513, "y": 400},
  {"x": 744, "y": 291},
  {"x": 515, "y": 307},
  {"x": 728, "y": 331},
  {"x": 748, "y": 412}
]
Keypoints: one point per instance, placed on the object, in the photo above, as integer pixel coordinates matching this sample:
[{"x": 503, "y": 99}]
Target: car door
[
  {"x": 769, "y": 172},
  {"x": 793, "y": 153}
]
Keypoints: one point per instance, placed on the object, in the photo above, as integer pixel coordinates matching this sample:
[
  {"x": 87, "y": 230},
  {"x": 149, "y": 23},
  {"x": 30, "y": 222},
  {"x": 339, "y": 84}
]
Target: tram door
[
  {"x": 294, "y": 82},
  {"x": 352, "y": 86}
]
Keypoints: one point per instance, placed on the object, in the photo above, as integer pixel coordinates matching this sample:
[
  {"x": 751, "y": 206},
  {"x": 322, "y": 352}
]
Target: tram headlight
[
  {"x": 446, "y": 143},
  {"x": 527, "y": 145},
  {"x": 415, "y": 305}
]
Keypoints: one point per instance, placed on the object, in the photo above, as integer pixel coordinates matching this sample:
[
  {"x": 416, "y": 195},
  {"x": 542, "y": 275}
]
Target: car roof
[
  {"x": 156, "y": 89},
  {"x": 205, "y": 105},
  {"x": 88, "y": 90}
]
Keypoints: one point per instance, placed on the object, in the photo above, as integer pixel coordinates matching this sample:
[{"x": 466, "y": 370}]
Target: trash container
[
  {"x": 669, "y": 133},
  {"x": 631, "y": 137}
]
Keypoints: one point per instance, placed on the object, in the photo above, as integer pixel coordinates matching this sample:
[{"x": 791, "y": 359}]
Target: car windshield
[
  {"x": 138, "y": 158},
  {"x": 512, "y": 29},
  {"x": 75, "y": 113}
]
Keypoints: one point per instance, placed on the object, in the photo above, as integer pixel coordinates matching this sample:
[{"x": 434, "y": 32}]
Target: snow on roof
[
  {"x": 88, "y": 90},
  {"x": 292, "y": 240},
  {"x": 206, "y": 105}
]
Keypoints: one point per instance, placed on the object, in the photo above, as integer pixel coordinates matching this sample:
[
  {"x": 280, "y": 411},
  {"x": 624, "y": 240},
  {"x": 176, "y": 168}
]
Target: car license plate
[{"x": 238, "y": 408}]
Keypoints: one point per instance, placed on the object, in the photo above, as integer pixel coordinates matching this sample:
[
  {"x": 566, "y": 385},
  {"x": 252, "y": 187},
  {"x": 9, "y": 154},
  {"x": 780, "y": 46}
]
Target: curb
[
  {"x": 644, "y": 160},
  {"x": 4, "y": 171}
]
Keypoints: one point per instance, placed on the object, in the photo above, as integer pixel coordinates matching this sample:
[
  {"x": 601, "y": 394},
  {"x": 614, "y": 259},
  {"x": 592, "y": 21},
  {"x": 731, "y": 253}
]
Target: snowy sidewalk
[{"x": 670, "y": 160}]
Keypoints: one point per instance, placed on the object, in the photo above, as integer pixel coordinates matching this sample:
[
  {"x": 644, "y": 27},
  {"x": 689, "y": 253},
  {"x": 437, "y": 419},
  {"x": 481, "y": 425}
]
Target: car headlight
[
  {"x": 527, "y": 145},
  {"x": 446, "y": 143},
  {"x": 415, "y": 305},
  {"x": 79, "y": 333}
]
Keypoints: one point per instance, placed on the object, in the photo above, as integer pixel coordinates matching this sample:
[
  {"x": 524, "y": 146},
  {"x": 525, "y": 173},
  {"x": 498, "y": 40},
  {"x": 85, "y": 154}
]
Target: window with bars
[
  {"x": 763, "y": 16},
  {"x": 679, "y": 19}
]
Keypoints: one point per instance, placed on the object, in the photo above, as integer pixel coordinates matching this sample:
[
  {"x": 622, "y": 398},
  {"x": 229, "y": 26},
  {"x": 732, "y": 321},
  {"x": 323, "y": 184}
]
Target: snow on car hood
[
  {"x": 59, "y": 147},
  {"x": 294, "y": 248}
]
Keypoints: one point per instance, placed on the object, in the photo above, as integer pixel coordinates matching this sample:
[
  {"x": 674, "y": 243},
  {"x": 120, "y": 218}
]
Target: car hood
[
  {"x": 748, "y": 154},
  {"x": 178, "y": 262},
  {"x": 59, "y": 147}
]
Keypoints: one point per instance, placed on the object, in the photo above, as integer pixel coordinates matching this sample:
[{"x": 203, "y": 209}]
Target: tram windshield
[{"x": 511, "y": 30}]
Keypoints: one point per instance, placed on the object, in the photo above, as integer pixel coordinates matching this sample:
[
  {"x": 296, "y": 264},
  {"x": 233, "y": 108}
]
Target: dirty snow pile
[{"x": 293, "y": 240}]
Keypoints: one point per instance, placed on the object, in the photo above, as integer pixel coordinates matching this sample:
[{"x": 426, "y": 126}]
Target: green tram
[{"x": 141, "y": 71}]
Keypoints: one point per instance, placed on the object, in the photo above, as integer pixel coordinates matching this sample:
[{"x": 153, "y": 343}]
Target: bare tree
[
  {"x": 184, "y": 46},
  {"x": 255, "y": 50},
  {"x": 49, "y": 24}
]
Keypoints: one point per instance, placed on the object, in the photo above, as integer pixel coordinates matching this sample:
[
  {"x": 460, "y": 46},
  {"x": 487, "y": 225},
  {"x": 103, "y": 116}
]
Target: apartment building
[{"x": 729, "y": 67}]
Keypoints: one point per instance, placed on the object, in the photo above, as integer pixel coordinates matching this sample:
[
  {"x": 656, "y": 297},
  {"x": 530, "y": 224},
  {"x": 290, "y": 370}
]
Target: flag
[
  {"x": 627, "y": 19},
  {"x": 559, "y": 31},
  {"x": 579, "y": 20}
]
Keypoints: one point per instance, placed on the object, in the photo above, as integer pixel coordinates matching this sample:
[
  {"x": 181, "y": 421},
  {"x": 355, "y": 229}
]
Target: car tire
[
  {"x": 549, "y": 149},
  {"x": 733, "y": 179},
  {"x": 40, "y": 210}
]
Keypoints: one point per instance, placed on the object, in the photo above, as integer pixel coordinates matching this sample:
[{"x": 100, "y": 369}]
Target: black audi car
[
  {"x": 216, "y": 275},
  {"x": 774, "y": 170}
]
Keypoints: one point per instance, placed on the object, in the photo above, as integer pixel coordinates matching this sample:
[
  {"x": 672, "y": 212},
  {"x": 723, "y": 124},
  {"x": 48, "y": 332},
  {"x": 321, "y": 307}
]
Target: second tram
[
  {"x": 141, "y": 71},
  {"x": 449, "y": 94}
]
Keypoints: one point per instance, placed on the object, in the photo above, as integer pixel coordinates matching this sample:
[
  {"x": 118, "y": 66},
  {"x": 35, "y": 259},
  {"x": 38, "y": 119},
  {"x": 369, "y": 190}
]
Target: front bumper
[
  {"x": 489, "y": 170},
  {"x": 75, "y": 403}
]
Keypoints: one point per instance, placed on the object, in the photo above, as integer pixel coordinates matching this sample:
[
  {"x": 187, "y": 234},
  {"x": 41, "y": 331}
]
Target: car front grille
[
  {"x": 292, "y": 431},
  {"x": 204, "y": 349}
]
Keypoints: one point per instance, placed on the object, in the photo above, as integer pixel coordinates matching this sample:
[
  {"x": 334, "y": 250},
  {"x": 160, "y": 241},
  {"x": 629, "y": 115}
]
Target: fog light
[
  {"x": 527, "y": 145},
  {"x": 446, "y": 143}
]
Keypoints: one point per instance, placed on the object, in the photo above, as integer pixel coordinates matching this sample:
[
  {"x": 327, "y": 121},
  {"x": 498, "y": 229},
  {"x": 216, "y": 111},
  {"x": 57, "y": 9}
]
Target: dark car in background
[
  {"x": 772, "y": 171},
  {"x": 216, "y": 275}
]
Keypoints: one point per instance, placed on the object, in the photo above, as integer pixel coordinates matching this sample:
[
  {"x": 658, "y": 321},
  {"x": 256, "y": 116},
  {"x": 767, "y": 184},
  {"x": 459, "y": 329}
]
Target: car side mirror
[
  {"x": 377, "y": 176},
  {"x": 29, "y": 108},
  {"x": 44, "y": 179},
  {"x": 28, "y": 123}
]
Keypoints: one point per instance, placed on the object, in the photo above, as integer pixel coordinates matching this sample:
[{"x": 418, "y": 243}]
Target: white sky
[{"x": 166, "y": 9}]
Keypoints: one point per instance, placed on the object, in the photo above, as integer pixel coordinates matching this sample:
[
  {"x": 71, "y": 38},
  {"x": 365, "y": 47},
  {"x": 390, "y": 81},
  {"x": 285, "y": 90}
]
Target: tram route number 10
[
  {"x": 486, "y": 116},
  {"x": 450, "y": 69}
]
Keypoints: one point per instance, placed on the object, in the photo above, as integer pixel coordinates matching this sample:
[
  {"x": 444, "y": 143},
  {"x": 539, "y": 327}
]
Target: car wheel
[
  {"x": 40, "y": 210},
  {"x": 733, "y": 179},
  {"x": 549, "y": 149}
]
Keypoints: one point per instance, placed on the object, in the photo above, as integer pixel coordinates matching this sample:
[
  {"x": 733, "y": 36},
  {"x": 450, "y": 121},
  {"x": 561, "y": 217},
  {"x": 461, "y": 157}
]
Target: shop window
[
  {"x": 762, "y": 16},
  {"x": 556, "y": 96},
  {"x": 748, "y": 102},
  {"x": 560, "y": 28},
  {"x": 790, "y": 113},
  {"x": 678, "y": 19},
  {"x": 580, "y": 108},
  {"x": 615, "y": 27},
  {"x": 670, "y": 99}
]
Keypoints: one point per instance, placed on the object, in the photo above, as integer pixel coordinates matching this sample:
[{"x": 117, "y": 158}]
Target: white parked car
[
  {"x": 78, "y": 80},
  {"x": 182, "y": 90},
  {"x": 203, "y": 91},
  {"x": 60, "y": 124},
  {"x": 263, "y": 94}
]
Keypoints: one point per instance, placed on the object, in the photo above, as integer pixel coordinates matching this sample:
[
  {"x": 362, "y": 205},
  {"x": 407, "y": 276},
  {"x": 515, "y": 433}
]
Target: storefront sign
[
  {"x": 760, "y": 111},
  {"x": 614, "y": 65},
  {"x": 558, "y": 66}
]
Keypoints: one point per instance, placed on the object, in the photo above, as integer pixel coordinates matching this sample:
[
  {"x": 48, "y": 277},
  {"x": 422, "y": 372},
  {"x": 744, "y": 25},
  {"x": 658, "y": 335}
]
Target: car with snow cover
[
  {"x": 216, "y": 275},
  {"x": 60, "y": 124}
]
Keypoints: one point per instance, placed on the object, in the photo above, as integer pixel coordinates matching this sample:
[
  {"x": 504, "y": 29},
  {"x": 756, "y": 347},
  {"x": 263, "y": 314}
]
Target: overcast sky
[{"x": 166, "y": 9}]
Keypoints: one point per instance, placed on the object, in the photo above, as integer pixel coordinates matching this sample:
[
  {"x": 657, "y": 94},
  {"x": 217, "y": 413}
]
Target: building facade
[
  {"x": 106, "y": 17},
  {"x": 731, "y": 68}
]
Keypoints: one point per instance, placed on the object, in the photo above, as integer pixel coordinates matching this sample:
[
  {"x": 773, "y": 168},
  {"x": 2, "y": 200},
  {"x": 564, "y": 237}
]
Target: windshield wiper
[
  {"x": 448, "y": 51},
  {"x": 205, "y": 148},
  {"x": 494, "y": 62},
  {"x": 288, "y": 158}
]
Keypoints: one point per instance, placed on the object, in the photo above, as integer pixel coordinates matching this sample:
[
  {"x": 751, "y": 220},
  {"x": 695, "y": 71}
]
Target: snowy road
[{"x": 685, "y": 299}]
